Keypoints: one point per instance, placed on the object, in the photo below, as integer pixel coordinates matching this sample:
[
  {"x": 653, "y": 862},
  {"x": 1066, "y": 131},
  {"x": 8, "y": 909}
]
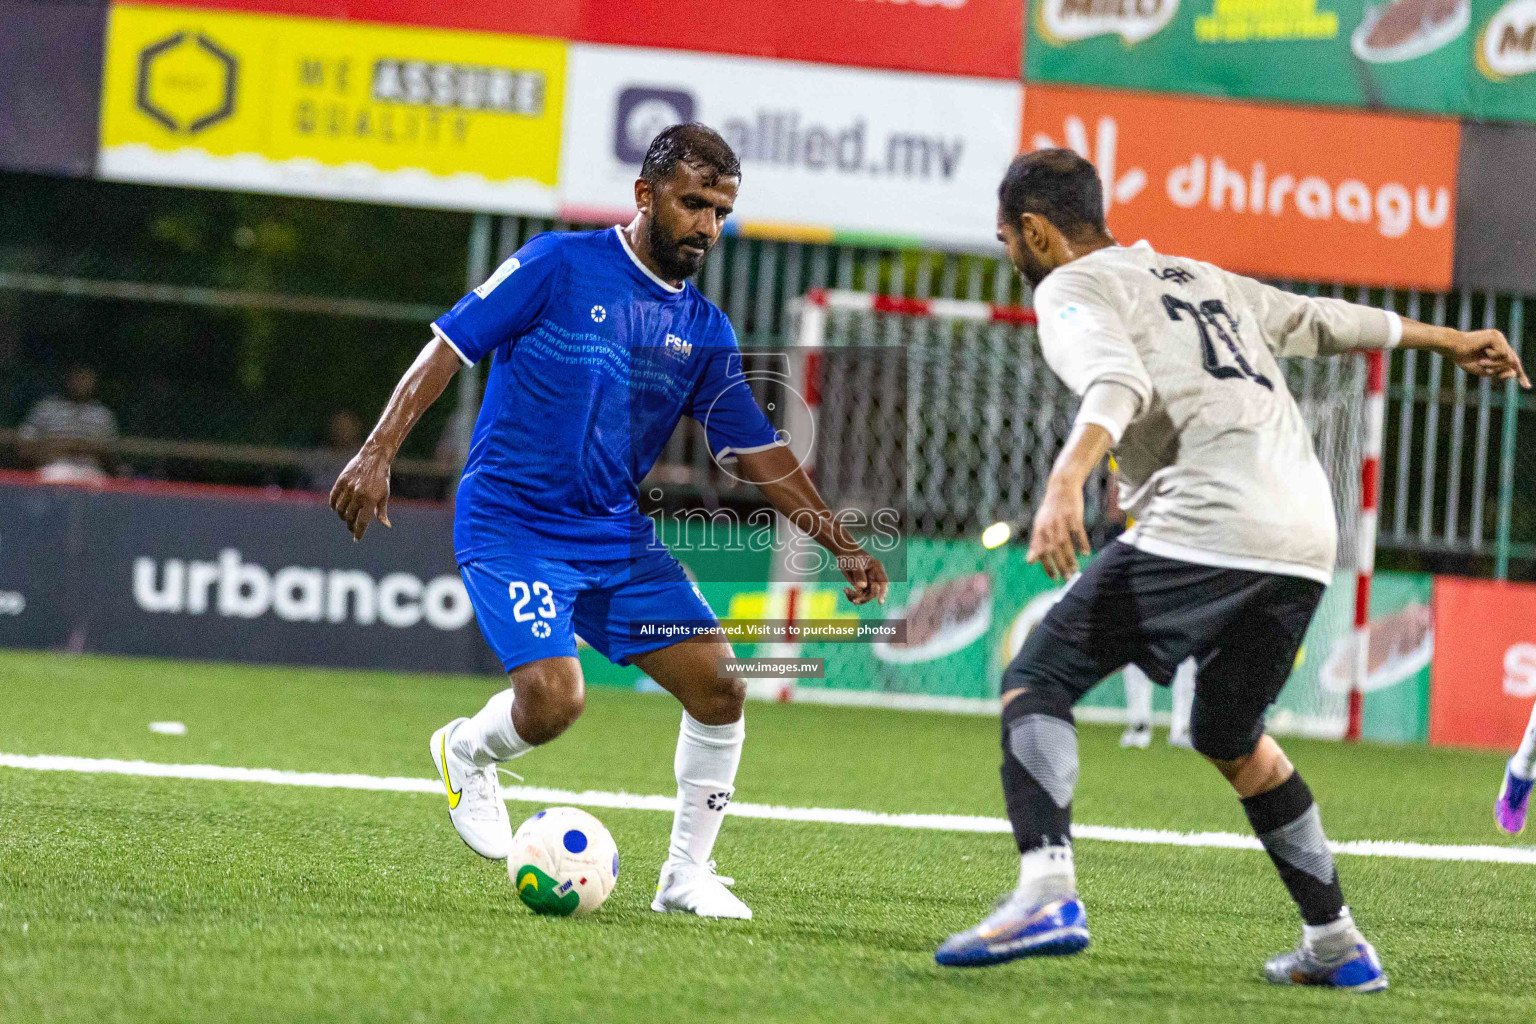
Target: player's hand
[
  {"x": 361, "y": 492},
  {"x": 1058, "y": 535},
  {"x": 866, "y": 576},
  {"x": 1488, "y": 354}
]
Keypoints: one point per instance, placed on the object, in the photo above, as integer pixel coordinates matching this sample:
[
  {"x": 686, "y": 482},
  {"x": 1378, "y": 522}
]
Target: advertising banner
[
  {"x": 1485, "y": 663},
  {"x": 50, "y": 83},
  {"x": 1276, "y": 192},
  {"x": 231, "y": 579},
  {"x": 1470, "y": 57},
  {"x": 826, "y": 152},
  {"x": 343, "y": 110},
  {"x": 956, "y": 37}
]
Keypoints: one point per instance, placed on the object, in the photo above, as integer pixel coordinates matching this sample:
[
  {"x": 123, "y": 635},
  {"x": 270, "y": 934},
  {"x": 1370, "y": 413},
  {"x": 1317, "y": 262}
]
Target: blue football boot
[
  {"x": 1057, "y": 927},
  {"x": 1360, "y": 972}
]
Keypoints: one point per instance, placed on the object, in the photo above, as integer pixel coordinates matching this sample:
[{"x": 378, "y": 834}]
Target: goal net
[{"x": 945, "y": 411}]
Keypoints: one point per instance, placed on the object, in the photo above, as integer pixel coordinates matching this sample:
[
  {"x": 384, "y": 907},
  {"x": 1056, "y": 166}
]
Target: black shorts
[{"x": 1243, "y": 628}]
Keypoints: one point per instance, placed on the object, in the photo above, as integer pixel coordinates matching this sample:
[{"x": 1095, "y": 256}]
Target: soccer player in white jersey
[
  {"x": 1234, "y": 542},
  {"x": 598, "y": 346}
]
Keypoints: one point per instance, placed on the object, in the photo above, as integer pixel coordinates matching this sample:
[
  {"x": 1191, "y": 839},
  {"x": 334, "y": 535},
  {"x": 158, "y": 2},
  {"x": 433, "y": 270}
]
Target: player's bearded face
[
  {"x": 687, "y": 214},
  {"x": 679, "y": 253}
]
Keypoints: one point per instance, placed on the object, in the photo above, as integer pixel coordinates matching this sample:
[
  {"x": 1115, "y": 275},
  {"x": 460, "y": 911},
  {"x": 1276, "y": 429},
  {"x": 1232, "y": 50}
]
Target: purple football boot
[{"x": 1509, "y": 808}]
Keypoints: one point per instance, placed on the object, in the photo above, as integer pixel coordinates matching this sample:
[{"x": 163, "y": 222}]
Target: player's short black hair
[
  {"x": 693, "y": 143},
  {"x": 1057, "y": 184}
]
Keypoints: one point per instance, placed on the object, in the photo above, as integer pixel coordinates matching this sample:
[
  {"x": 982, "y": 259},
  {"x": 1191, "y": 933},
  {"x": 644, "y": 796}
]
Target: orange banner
[
  {"x": 1276, "y": 192},
  {"x": 1485, "y": 663}
]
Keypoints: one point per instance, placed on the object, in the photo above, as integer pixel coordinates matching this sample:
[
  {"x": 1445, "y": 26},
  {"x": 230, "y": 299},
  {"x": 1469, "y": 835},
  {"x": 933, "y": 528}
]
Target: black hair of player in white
[
  {"x": 691, "y": 143},
  {"x": 1057, "y": 184}
]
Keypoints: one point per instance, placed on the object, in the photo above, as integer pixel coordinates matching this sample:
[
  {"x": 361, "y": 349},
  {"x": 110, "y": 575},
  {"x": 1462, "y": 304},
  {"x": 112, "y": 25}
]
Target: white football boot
[
  {"x": 687, "y": 888},
  {"x": 475, "y": 804}
]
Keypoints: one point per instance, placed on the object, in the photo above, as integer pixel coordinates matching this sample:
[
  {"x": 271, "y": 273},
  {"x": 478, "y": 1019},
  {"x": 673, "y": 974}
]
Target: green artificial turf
[{"x": 137, "y": 899}]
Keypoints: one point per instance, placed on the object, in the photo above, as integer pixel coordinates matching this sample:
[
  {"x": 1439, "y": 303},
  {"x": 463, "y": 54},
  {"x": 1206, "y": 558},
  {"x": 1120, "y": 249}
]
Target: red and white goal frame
[{"x": 787, "y": 590}]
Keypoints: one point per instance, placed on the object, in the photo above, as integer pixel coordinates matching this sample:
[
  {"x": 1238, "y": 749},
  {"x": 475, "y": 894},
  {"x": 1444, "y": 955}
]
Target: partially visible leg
[
  {"x": 1515, "y": 793},
  {"x": 1043, "y": 915},
  {"x": 544, "y": 698},
  {"x": 1138, "y": 708},
  {"x": 1237, "y": 684},
  {"x": 1183, "y": 702},
  {"x": 709, "y": 747}
]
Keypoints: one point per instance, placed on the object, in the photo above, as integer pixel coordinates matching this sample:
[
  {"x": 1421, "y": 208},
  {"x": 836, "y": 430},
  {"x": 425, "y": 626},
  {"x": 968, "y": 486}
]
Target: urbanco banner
[
  {"x": 826, "y": 152},
  {"x": 231, "y": 578},
  {"x": 1277, "y": 192}
]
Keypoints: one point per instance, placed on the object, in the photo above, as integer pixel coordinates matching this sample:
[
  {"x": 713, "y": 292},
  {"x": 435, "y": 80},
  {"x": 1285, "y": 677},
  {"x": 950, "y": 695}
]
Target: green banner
[
  {"x": 1475, "y": 58},
  {"x": 969, "y": 608}
]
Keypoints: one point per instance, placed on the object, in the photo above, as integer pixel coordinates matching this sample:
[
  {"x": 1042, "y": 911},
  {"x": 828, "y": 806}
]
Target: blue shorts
[{"x": 530, "y": 607}]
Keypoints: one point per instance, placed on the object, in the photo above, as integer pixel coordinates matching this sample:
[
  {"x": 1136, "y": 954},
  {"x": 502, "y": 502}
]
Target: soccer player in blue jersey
[{"x": 598, "y": 346}]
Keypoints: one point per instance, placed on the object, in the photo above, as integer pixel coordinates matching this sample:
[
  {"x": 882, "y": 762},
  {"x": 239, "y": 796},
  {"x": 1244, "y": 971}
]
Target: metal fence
[{"x": 1460, "y": 453}]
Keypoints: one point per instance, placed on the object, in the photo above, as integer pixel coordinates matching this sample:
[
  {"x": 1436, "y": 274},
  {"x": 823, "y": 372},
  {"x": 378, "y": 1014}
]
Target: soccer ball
[{"x": 563, "y": 862}]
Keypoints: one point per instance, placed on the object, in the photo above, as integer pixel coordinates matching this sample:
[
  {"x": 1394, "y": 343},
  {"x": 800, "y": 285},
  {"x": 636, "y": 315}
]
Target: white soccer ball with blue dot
[{"x": 563, "y": 862}]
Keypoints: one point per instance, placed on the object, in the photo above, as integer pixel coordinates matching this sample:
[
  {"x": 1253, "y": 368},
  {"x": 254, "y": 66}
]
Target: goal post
[{"x": 976, "y": 422}]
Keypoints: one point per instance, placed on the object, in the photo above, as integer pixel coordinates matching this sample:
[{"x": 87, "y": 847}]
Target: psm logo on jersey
[
  {"x": 599, "y": 314},
  {"x": 678, "y": 348},
  {"x": 541, "y": 630}
]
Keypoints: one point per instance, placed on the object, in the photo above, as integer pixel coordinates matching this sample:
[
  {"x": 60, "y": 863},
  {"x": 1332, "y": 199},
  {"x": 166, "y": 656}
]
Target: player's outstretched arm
[
  {"x": 781, "y": 478},
  {"x": 1059, "y": 535},
  {"x": 361, "y": 493},
  {"x": 1484, "y": 353}
]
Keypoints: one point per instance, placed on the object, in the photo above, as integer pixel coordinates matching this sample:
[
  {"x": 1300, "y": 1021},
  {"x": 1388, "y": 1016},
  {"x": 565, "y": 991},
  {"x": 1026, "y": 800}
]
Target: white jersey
[{"x": 1217, "y": 467}]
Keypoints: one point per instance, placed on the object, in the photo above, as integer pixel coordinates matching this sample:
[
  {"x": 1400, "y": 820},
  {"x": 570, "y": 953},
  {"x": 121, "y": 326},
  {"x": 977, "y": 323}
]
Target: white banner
[{"x": 824, "y": 150}]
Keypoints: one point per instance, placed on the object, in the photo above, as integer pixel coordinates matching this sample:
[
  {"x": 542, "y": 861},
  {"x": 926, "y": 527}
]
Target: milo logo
[
  {"x": 1069, "y": 21},
  {"x": 1507, "y": 46}
]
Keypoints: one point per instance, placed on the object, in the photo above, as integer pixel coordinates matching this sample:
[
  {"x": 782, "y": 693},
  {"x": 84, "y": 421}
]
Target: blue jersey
[{"x": 594, "y": 361}]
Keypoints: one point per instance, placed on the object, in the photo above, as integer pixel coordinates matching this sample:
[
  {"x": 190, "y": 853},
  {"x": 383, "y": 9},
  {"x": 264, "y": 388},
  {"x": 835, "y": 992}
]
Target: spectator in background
[
  {"x": 67, "y": 437},
  {"x": 343, "y": 437}
]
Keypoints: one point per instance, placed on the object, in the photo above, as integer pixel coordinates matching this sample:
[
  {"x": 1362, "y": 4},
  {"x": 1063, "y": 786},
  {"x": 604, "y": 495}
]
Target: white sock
[
  {"x": 1523, "y": 764},
  {"x": 1332, "y": 941},
  {"x": 1047, "y": 873},
  {"x": 705, "y": 766},
  {"x": 1138, "y": 697},
  {"x": 1183, "y": 699},
  {"x": 490, "y": 736}
]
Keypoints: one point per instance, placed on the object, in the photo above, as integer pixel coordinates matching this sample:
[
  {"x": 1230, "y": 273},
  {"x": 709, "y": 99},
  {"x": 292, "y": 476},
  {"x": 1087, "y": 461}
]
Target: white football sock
[
  {"x": 705, "y": 766},
  {"x": 1332, "y": 941},
  {"x": 1046, "y": 874},
  {"x": 1138, "y": 697},
  {"x": 490, "y": 736},
  {"x": 1183, "y": 699},
  {"x": 1523, "y": 764}
]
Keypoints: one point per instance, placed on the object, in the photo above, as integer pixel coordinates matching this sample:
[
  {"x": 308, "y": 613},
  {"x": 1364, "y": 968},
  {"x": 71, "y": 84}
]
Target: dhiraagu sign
[{"x": 330, "y": 108}]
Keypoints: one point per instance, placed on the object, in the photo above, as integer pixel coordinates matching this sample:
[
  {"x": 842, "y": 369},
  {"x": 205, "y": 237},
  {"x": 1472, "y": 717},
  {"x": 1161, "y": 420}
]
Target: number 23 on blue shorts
[{"x": 530, "y": 607}]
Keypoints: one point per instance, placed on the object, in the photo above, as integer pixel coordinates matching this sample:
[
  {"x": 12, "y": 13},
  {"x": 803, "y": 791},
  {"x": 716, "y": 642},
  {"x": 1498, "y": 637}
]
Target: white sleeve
[
  {"x": 1111, "y": 405},
  {"x": 1083, "y": 335},
  {"x": 1307, "y": 325}
]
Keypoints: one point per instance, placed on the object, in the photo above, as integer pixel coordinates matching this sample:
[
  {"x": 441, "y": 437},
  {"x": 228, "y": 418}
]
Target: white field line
[{"x": 828, "y": 815}]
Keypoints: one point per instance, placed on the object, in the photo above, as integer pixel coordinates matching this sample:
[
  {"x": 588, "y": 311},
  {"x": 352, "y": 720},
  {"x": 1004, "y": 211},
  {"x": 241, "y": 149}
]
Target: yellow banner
[{"x": 360, "y": 110}]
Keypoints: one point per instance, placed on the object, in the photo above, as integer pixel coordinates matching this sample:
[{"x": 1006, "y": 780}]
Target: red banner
[
  {"x": 1485, "y": 663},
  {"x": 956, "y": 37},
  {"x": 1311, "y": 195}
]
